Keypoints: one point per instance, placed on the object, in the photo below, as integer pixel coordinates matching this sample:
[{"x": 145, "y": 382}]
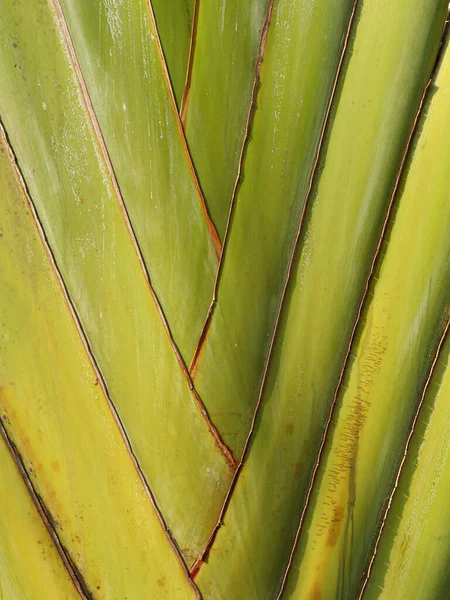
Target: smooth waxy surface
[
  {"x": 26, "y": 547},
  {"x": 123, "y": 70},
  {"x": 57, "y": 416},
  {"x": 50, "y": 131},
  {"x": 384, "y": 382},
  {"x": 276, "y": 171},
  {"x": 365, "y": 144},
  {"x": 227, "y": 45},
  {"x": 174, "y": 27}
]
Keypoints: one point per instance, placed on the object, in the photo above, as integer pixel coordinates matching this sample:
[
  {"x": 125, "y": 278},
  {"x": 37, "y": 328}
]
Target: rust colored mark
[
  {"x": 298, "y": 470},
  {"x": 405, "y": 453},
  {"x": 195, "y": 568},
  {"x": 357, "y": 320},
  {"x": 335, "y": 525},
  {"x": 289, "y": 429},
  {"x": 232, "y": 462},
  {"x": 193, "y": 367},
  {"x": 316, "y": 592},
  {"x": 161, "y": 581},
  {"x": 56, "y": 466}
]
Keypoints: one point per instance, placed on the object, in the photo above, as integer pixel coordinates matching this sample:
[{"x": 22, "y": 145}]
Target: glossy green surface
[
  {"x": 390, "y": 361},
  {"x": 26, "y": 548},
  {"x": 48, "y": 127},
  {"x": 117, "y": 48},
  {"x": 357, "y": 172},
  {"x": 227, "y": 45},
  {"x": 174, "y": 27},
  {"x": 291, "y": 108},
  {"x": 58, "y": 418}
]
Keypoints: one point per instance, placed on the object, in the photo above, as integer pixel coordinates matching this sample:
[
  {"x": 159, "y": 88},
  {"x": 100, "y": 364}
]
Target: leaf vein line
[
  {"x": 82, "y": 336},
  {"x": 251, "y": 112},
  {"x": 210, "y": 543},
  {"x": 107, "y": 162},
  {"x": 353, "y": 335},
  {"x": 404, "y": 456}
]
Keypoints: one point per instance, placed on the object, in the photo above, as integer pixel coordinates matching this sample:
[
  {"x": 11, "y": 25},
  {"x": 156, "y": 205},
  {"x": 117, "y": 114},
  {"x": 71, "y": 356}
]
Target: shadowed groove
[
  {"x": 404, "y": 456},
  {"x": 197, "y": 565},
  {"x": 104, "y": 153},
  {"x": 248, "y": 127},
  {"x": 356, "y": 323},
  {"x": 91, "y": 357},
  {"x": 187, "y": 83},
  {"x": 173, "y": 105},
  {"x": 44, "y": 513}
]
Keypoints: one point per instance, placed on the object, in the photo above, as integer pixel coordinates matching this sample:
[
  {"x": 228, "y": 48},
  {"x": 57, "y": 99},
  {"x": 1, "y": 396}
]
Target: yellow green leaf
[
  {"x": 386, "y": 375},
  {"x": 57, "y": 415},
  {"x": 49, "y": 129},
  {"x": 228, "y": 37},
  {"x": 174, "y": 23},
  {"x": 356, "y": 176},
  {"x": 122, "y": 66},
  {"x": 413, "y": 557},
  {"x": 30, "y": 566},
  {"x": 291, "y": 108}
]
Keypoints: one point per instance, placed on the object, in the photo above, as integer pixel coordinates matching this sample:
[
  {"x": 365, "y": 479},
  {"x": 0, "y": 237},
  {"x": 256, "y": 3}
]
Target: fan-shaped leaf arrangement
[{"x": 225, "y": 292}]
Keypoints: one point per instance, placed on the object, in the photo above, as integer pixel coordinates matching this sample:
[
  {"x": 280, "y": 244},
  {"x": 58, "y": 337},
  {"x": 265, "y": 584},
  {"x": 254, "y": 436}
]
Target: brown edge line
[
  {"x": 91, "y": 357},
  {"x": 104, "y": 153},
  {"x": 202, "y": 559},
  {"x": 427, "y": 382},
  {"x": 44, "y": 513},
  {"x": 404, "y": 457},
  {"x": 217, "y": 246},
  {"x": 355, "y": 326},
  {"x": 193, "y": 367},
  {"x": 187, "y": 82}
]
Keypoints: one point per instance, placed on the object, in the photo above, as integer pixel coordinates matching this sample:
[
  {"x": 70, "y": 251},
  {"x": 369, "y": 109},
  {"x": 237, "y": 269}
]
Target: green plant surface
[
  {"x": 291, "y": 109},
  {"x": 218, "y": 97},
  {"x": 384, "y": 382},
  {"x": 174, "y": 27},
  {"x": 57, "y": 415},
  {"x": 49, "y": 129},
  {"x": 414, "y": 554},
  {"x": 224, "y": 300},
  {"x": 26, "y": 547},
  {"x": 121, "y": 63},
  {"x": 350, "y": 198}
]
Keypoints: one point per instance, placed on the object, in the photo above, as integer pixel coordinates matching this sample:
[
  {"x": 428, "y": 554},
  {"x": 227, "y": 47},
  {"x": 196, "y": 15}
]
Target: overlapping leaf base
[{"x": 225, "y": 296}]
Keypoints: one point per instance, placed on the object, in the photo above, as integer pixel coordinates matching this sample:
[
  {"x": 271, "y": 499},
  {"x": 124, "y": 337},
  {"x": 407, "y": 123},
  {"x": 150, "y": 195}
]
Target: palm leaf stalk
[{"x": 224, "y": 333}]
